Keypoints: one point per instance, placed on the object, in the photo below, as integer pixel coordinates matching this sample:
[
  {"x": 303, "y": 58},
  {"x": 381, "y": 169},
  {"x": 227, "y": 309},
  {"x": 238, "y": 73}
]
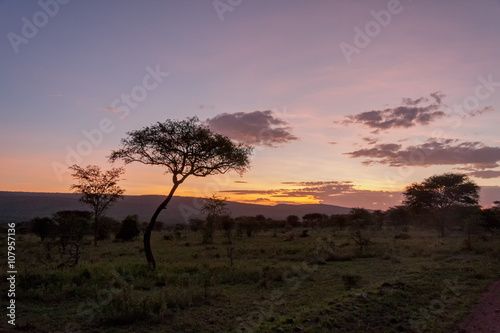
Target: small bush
[
  {"x": 351, "y": 281},
  {"x": 402, "y": 236},
  {"x": 129, "y": 229}
]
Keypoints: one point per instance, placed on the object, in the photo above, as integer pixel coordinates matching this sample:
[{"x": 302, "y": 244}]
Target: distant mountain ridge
[{"x": 23, "y": 206}]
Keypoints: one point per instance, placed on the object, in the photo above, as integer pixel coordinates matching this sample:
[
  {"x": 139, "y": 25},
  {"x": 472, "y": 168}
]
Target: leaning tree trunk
[{"x": 147, "y": 234}]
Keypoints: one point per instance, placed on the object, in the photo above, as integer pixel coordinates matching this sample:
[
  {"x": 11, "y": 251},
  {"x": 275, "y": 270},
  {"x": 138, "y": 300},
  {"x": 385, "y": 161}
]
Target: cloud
[
  {"x": 240, "y": 182},
  {"x": 305, "y": 189},
  {"x": 432, "y": 152},
  {"x": 333, "y": 143},
  {"x": 485, "y": 174},
  {"x": 255, "y": 128},
  {"x": 342, "y": 193},
  {"x": 411, "y": 112},
  {"x": 474, "y": 113},
  {"x": 263, "y": 201},
  {"x": 116, "y": 111},
  {"x": 318, "y": 189},
  {"x": 371, "y": 141}
]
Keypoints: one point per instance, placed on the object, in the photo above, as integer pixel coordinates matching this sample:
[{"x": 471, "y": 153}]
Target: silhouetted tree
[
  {"x": 107, "y": 226},
  {"x": 436, "y": 195},
  {"x": 183, "y": 148},
  {"x": 195, "y": 223},
  {"x": 42, "y": 227},
  {"x": 339, "y": 220},
  {"x": 129, "y": 229},
  {"x": 490, "y": 217},
  {"x": 292, "y": 220},
  {"x": 99, "y": 189},
  {"x": 249, "y": 224},
  {"x": 312, "y": 219},
  {"x": 72, "y": 226},
  {"x": 158, "y": 226},
  {"x": 215, "y": 209},
  {"x": 360, "y": 218},
  {"x": 360, "y": 240},
  {"x": 398, "y": 216},
  {"x": 227, "y": 225},
  {"x": 378, "y": 218}
]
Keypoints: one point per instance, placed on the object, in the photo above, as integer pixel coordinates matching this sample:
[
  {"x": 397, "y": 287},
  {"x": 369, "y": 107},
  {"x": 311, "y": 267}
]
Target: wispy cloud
[
  {"x": 412, "y": 112},
  {"x": 260, "y": 128},
  {"x": 432, "y": 152},
  {"x": 485, "y": 174},
  {"x": 342, "y": 193},
  {"x": 371, "y": 141}
]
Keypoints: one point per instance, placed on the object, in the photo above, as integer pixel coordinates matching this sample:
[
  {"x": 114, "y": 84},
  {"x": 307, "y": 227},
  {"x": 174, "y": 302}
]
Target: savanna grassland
[{"x": 402, "y": 282}]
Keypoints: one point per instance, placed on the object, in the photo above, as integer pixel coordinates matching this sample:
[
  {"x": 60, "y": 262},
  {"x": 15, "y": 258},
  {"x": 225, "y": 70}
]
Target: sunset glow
[{"x": 346, "y": 103}]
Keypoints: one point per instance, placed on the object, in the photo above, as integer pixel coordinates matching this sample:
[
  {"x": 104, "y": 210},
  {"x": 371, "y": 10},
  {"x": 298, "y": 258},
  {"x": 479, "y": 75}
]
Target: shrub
[
  {"x": 351, "y": 281},
  {"x": 129, "y": 229},
  {"x": 402, "y": 236}
]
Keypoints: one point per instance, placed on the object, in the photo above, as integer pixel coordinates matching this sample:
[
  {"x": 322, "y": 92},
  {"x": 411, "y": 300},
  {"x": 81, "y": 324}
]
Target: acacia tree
[
  {"x": 42, "y": 227},
  {"x": 72, "y": 227},
  {"x": 438, "y": 194},
  {"x": 216, "y": 210},
  {"x": 183, "y": 148},
  {"x": 99, "y": 189}
]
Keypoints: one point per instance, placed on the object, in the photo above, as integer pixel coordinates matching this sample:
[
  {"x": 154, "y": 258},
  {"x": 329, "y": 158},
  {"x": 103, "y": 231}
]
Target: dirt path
[{"x": 485, "y": 316}]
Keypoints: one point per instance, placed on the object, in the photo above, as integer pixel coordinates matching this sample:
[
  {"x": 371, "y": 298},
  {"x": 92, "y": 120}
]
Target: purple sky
[{"x": 347, "y": 102}]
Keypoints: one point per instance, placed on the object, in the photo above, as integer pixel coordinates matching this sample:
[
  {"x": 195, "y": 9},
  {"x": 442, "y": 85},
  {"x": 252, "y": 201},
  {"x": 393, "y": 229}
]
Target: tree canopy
[
  {"x": 99, "y": 189},
  {"x": 439, "y": 193},
  {"x": 183, "y": 148}
]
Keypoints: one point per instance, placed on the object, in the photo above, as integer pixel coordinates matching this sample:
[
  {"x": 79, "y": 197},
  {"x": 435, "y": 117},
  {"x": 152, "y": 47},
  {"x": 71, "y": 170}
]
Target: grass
[{"x": 318, "y": 283}]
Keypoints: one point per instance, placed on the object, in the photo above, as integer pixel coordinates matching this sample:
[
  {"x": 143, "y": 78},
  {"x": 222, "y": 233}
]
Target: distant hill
[{"x": 23, "y": 206}]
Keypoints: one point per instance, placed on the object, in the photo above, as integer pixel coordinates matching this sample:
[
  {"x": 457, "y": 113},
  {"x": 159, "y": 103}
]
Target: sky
[{"x": 345, "y": 102}]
